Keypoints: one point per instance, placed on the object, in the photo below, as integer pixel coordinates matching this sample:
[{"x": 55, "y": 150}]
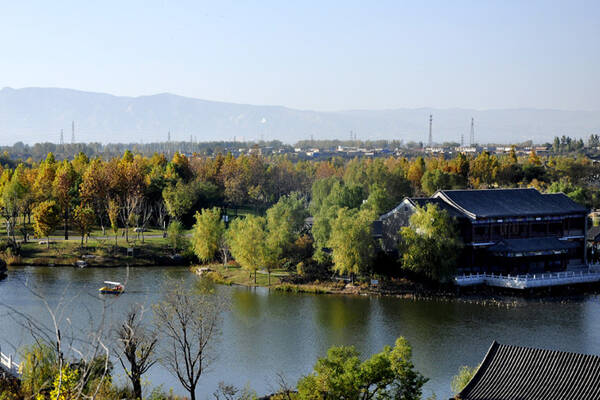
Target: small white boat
[{"x": 81, "y": 264}]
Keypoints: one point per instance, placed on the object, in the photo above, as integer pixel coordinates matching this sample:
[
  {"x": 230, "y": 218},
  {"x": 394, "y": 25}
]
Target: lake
[{"x": 267, "y": 332}]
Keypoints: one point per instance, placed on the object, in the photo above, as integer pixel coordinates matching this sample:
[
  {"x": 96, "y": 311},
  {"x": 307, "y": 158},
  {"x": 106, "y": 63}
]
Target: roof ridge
[
  {"x": 555, "y": 351},
  {"x": 486, "y": 190}
]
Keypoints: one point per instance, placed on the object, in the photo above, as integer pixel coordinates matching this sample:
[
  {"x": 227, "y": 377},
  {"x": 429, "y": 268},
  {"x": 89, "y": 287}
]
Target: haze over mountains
[{"x": 38, "y": 114}]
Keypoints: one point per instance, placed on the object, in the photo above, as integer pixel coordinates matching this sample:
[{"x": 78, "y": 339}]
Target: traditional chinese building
[
  {"x": 524, "y": 373},
  {"x": 505, "y": 231}
]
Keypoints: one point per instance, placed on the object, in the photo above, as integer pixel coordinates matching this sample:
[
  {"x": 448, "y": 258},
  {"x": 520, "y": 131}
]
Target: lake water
[{"x": 267, "y": 332}]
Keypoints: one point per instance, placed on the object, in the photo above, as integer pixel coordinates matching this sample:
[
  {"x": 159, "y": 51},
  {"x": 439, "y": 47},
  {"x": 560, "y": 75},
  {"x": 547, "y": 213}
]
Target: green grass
[
  {"x": 67, "y": 252},
  {"x": 235, "y": 275}
]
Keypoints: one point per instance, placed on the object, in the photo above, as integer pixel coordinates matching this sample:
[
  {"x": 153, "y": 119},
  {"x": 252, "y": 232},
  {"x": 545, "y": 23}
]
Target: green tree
[
  {"x": 386, "y": 375},
  {"x": 379, "y": 200},
  {"x": 38, "y": 368},
  {"x": 284, "y": 223},
  {"x": 208, "y": 235},
  {"x": 464, "y": 376},
  {"x": 176, "y": 236},
  {"x": 351, "y": 241},
  {"x": 45, "y": 219},
  {"x": 436, "y": 180},
  {"x": 247, "y": 242},
  {"x": 430, "y": 244},
  {"x": 84, "y": 218},
  {"x": 113, "y": 217},
  {"x": 12, "y": 195},
  {"x": 179, "y": 199}
]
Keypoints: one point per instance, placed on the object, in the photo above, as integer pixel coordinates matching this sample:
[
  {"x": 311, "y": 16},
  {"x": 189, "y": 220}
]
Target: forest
[{"x": 259, "y": 205}]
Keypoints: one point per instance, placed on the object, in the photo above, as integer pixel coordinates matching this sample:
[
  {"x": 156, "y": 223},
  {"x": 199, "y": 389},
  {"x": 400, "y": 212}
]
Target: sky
[{"x": 318, "y": 55}]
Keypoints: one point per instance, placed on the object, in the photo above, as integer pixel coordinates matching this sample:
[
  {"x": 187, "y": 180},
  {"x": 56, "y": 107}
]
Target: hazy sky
[{"x": 321, "y": 55}]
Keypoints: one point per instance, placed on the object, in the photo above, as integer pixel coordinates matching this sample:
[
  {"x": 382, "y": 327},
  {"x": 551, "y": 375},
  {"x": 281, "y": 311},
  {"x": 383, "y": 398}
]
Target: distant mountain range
[{"x": 38, "y": 114}]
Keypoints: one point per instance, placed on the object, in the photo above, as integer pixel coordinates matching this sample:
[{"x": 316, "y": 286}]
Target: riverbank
[
  {"x": 96, "y": 253},
  {"x": 285, "y": 281},
  {"x": 282, "y": 280}
]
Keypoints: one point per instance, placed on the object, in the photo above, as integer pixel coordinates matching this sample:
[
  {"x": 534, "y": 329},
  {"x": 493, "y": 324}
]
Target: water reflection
[{"x": 266, "y": 332}]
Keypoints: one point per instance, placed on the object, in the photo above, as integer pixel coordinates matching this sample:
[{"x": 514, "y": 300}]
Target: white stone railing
[
  {"x": 8, "y": 364},
  {"x": 529, "y": 280}
]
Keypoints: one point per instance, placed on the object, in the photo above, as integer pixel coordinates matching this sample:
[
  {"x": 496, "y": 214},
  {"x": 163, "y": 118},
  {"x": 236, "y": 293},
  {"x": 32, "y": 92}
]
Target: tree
[
  {"x": 386, "y": 375},
  {"x": 416, "y": 171},
  {"x": 430, "y": 244},
  {"x": 113, "y": 217},
  {"x": 84, "y": 218},
  {"x": 465, "y": 374},
  {"x": 284, "y": 223},
  {"x": 378, "y": 201},
  {"x": 94, "y": 190},
  {"x": 483, "y": 169},
  {"x": 66, "y": 384},
  {"x": 188, "y": 323},
  {"x": 175, "y": 236},
  {"x": 351, "y": 241},
  {"x": 12, "y": 194},
  {"x": 45, "y": 217},
  {"x": 136, "y": 348},
  {"x": 38, "y": 368},
  {"x": 247, "y": 242},
  {"x": 437, "y": 180},
  {"x": 208, "y": 235},
  {"x": 64, "y": 190}
]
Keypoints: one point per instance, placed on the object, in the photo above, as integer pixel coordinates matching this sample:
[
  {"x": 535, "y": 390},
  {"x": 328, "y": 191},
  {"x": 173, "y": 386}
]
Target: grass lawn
[
  {"x": 66, "y": 252},
  {"x": 239, "y": 276}
]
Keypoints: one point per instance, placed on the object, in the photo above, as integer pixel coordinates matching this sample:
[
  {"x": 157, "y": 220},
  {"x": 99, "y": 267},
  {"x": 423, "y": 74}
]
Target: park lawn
[
  {"x": 238, "y": 276},
  {"x": 67, "y": 252}
]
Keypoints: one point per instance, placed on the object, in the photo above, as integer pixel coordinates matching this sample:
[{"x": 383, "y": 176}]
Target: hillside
[{"x": 38, "y": 114}]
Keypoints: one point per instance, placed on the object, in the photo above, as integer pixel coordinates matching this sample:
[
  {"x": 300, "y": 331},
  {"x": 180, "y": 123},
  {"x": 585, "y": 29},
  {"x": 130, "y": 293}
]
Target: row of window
[{"x": 516, "y": 230}]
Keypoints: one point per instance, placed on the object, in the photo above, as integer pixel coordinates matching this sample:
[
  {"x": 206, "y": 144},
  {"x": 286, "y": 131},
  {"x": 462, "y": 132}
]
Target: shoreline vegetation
[
  {"x": 294, "y": 225},
  {"x": 233, "y": 275}
]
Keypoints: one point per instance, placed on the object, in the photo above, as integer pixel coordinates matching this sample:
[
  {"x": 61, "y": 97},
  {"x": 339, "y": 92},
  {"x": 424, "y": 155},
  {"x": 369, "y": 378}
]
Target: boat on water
[
  {"x": 81, "y": 264},
  {"x": 112, "y": 288}
]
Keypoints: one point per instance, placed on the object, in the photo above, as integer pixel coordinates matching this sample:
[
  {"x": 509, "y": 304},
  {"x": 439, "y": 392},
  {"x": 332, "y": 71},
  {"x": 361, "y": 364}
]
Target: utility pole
[
  {"x": 472, "y": 138},
  {"x": 430, "y": 133}
]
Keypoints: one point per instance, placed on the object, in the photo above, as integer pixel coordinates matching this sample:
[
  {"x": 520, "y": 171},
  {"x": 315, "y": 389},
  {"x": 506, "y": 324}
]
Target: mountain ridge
[{"x": 37, "y": 114}]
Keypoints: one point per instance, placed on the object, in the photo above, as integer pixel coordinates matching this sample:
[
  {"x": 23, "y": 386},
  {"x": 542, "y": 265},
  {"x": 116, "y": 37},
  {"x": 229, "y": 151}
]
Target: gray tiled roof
[
  {"x": 523, "y": 373},
  {"x": 423, "y": 201},
  {"x": 509, "y": 202}
]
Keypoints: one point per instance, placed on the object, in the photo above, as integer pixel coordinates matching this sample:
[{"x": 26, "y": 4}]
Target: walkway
[
  {"x": 529, "y": 280},
  {"x": 7, "y": 364}
]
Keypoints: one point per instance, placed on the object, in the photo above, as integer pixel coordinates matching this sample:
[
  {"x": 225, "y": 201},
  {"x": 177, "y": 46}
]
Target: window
[{"x": 538, "y": 229}]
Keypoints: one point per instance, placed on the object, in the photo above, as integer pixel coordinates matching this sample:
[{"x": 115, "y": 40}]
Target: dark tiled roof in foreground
[
  {"x": 523, "y": 373},
  {"x": 509, "y": 202}
]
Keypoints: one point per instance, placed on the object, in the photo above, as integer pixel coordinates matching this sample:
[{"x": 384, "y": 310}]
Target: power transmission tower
[
  {"x": 62, "y": 137},
  {"x": 472, "y": 138},
  {"x": 430, "y": 133},
  {"x": 462, "y": 139}
]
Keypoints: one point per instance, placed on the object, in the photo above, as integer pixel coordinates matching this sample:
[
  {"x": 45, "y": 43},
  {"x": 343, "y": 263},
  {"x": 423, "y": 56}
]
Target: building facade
[{"x": 505, "y": 231}]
